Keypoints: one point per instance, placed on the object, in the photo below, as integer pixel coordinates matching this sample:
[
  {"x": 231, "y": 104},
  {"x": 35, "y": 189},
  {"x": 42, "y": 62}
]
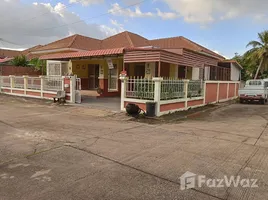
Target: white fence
[
  {"x": 40, "y": 87},
  {"x": 53, "y": 83},
  {"x": 172, "y": 95},
  {"x": 172, "y": 89},
  {"x": 140, "y": 88}
]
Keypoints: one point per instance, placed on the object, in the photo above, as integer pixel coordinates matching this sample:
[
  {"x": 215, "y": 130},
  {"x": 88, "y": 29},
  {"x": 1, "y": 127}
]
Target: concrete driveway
[{"x": 65, "y": 152}]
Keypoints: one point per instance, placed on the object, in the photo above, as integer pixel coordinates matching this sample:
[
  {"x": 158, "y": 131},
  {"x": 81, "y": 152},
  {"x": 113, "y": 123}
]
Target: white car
[{"x": 254, "y": 90}]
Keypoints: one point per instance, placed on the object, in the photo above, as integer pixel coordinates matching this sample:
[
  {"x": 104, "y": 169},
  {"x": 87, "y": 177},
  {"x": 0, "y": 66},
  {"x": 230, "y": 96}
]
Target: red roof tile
[
  {"x": 5, "y": 60},
  {"x": 5, "y": 53},
  {"x": 124, "y": 39},
  {"x": 75, "y": 41},
  {"x": 182, "y": 42},
  {"x": 83, "y": 54}
]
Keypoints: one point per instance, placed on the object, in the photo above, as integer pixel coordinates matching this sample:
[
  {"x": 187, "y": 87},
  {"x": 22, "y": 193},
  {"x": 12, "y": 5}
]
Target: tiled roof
[
  {"x": 4, "y": 53},
  {"x": 29, "y": 50},
  {"x": 124, "y": 39},
  {"x": 83, "y": 54},
  {"x": 74, "y": 41},
  {"x": 182, "y": 42},
  {"x": 5, "y": 60}
]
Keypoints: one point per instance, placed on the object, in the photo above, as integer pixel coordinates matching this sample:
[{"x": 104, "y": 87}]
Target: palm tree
[{"x": 259, "y": 52}]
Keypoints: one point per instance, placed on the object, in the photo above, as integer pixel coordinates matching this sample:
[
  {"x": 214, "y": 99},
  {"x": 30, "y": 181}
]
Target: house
[
  {"x": 99, "y": 62},
  {"x": 5, "y": 53}
]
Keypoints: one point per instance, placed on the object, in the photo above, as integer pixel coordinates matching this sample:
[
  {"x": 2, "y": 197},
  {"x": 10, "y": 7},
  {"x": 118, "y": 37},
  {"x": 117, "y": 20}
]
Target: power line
[
  {"x": 8, "y": 42},
  {"x": 84, "y": 20}
]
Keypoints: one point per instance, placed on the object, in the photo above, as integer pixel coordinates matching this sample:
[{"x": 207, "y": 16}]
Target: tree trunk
[{"x": 258, "y": 70}]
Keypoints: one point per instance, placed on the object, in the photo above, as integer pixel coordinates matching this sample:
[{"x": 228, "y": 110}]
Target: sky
[{"x": 224, "y": 26}]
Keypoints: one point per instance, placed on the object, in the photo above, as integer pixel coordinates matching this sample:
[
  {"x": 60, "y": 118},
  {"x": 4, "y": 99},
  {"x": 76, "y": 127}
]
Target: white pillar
[
  {"x": 149, "y": 70},
  {"x": 42, "y": 86},
  {"x": 186, "y": 83},
  {"x": 195, "y": 73},
  {"x": 157, "y": 93},
  {"x": 62, "y": 83},
  {"x": 12, "y": 82},
  {"x": 72, "y": 88},
  {"x": 25, "y": 83},
  {"x": 123, "y": 91},
  {"x": 205, "y": 90}
]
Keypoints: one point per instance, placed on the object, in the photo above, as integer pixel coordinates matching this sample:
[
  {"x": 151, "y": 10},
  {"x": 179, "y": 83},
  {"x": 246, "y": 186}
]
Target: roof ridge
[
  {"x": 201, "y": 48},
  {"x": 129, "y": 39},
  {"x": 165, "y": 38},
  {"x": 71, "y": 43},
  {"x": 192, "y": 42}
]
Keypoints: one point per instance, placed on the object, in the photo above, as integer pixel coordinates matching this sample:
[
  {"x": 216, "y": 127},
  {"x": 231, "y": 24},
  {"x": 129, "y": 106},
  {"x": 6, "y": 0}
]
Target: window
[
  {"x": 113, "y": 78},
  {"x": 54, "y": 69},
  {"x": 254, "y": 82}
]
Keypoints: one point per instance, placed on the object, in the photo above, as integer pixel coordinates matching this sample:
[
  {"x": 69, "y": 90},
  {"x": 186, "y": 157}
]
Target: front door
[{"x": 93, "y": 76}]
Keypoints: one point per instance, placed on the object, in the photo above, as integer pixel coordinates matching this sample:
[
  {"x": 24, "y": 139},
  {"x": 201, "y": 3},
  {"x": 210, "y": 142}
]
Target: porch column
[
  {"x": 159, "y": 69},
  {"x": 102, "y": 76}
]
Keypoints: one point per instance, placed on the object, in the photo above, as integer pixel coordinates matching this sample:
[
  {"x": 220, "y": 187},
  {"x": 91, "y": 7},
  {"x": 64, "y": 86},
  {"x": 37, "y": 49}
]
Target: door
[
  {"x": 93, "y": 76},
  {"x": 97, "y": 72}
]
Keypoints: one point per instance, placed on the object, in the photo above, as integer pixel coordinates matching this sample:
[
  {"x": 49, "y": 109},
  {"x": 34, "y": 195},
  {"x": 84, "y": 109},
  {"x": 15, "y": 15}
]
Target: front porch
[{"x": 97, "y": 78}]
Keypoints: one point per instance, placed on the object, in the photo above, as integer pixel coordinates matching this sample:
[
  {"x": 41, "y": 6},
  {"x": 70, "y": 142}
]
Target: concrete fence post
[
  {"x": 157, "y": 93},
  {"x": 123, "y": 91},
  {"x": 62, "y": 83},
  {"x": 228, "y": 89},
  {"x": 186, "y": 83},
  {"x": 25, "y": 84},
  {"x": 12, "y": 82},
  {"x": 218, "y": 91},
  {"x": 204, "y": 92},
  {"x": 42, "y": 86},
  {"x": 72, "y": 88}
]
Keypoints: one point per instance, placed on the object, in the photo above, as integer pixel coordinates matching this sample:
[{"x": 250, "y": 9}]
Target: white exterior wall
[
  {"x": 149, "y": 70},
  {"x": 235, "y": 72},
  {"x": 207, "y": 73},
  {"x": 195, "y": 73}
]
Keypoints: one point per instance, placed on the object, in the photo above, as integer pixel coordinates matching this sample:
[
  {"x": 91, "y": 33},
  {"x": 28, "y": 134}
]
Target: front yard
[{"x": 66, "y": 152}]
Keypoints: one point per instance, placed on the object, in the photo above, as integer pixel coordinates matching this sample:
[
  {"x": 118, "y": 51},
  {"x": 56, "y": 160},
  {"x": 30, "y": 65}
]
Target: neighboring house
[
  {"x": 99, "y": 62},
  {"x": 5, "y": 53}
]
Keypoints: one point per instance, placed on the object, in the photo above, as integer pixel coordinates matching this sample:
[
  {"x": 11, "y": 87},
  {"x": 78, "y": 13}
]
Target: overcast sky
[{"x": 224, "y": 26}]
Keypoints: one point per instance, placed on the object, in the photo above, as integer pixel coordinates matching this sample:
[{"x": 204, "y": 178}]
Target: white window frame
[
  {"x": 56, "y": 62},
  {"x": 113, "y": 76}
]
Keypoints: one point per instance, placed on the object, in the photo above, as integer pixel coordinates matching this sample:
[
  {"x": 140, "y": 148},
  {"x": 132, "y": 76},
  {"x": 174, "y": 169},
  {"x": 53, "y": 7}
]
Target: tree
[
  {"x": 38, "y": 64},
  {"x": 259, "y": 52},
  {"x": 20, "y": 60}
]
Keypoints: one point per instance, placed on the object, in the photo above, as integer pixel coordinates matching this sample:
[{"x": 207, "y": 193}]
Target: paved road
[{"x": 64, "y": 152}]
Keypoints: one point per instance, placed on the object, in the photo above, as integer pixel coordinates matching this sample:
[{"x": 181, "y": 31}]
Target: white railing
[
  {"x": 18, "y": 82},
  {"x": 172, "y": 89},
  {"x": 172, "y": 95},
  {"x": 140, "y": 88},
  {"x": 39, "y": 87},
  {"x": 195, "y": 88},
  {"x": 5, "y": 81},
  {"x": 53, "y": 83},
  {"x": 34, "y": 83}
]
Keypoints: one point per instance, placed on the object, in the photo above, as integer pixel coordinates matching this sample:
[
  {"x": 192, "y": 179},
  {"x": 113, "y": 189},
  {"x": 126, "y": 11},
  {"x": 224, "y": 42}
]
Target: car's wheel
[{"x": 241, "y": 101}]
